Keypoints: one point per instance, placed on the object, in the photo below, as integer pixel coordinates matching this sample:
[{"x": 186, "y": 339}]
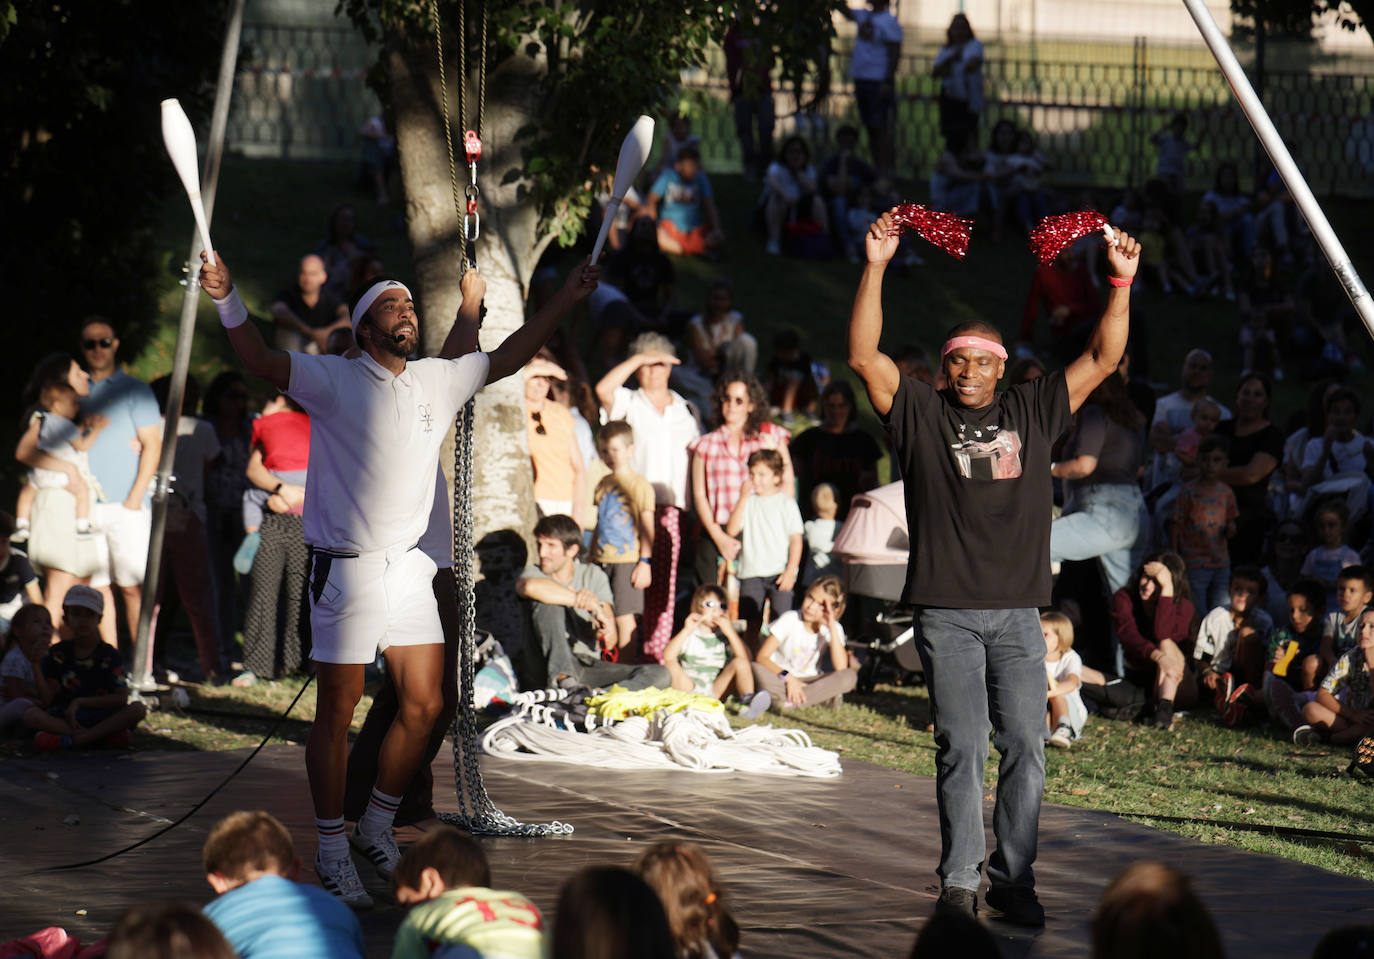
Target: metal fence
[{"x": 302, "y": 92}]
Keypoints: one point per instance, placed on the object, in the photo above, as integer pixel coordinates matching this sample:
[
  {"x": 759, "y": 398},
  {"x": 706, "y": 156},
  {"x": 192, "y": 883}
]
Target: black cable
[{"x": 196, "y": 808}]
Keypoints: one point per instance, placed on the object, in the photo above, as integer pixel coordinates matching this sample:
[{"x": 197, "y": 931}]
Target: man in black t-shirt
[
  {"x": 307, "y": 313},
  {"x": 978, "y": 497}
]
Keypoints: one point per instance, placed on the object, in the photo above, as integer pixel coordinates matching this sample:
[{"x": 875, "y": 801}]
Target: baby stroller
[{"x": 873, "y": 544}]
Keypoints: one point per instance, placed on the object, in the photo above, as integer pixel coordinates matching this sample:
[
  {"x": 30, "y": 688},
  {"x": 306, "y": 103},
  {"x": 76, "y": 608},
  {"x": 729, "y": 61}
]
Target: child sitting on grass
[
  {"x": 84, "y": 698},
  {"x": 1340, "y": 629},
  {"x": 262, "y": 910},
  {"x": 789, "y": 665},
  {"x": 769, "y": 526},
  {"x": 445, "y": 876},
  {"x": 682, "y": 876},
  {"x": 1343, "y": 711},
  {"x": 1065, "y": 714},
  {"x": 1290, "y": 678},
  {"x": 1230, "y": 645},
  {"x": 26, "y": 642},
  {"x": 709, "y": 658}
]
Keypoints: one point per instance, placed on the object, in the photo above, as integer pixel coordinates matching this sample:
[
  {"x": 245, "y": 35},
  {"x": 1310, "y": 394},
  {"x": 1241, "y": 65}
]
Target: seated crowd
[{"x": 668, "y": 903}]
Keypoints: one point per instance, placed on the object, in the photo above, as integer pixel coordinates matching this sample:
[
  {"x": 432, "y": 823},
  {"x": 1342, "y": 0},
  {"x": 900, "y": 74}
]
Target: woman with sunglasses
[{"x": 560, "y": 474}]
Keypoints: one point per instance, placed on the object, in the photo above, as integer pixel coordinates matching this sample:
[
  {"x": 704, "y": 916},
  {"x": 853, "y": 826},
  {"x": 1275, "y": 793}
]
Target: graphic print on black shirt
[{"x": 983, "y": 451}]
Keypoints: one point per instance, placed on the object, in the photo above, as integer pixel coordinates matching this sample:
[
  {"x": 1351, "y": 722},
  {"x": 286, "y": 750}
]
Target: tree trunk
[{"x": 507, "y": 250}]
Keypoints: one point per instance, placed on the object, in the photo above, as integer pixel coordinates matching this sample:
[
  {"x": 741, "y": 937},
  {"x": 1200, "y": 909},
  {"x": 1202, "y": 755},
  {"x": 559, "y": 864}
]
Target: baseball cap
[{"x": 84, "y": 597}]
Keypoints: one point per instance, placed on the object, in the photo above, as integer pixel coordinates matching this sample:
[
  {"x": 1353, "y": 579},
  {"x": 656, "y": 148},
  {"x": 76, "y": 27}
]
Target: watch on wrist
[{"x": 783, "y": 674}]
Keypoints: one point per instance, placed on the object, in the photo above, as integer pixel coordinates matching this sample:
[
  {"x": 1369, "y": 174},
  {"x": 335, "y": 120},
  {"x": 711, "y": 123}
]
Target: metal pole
[
  {"x": 143, "y": 645},
  {"x": 1283, "y": 162}
]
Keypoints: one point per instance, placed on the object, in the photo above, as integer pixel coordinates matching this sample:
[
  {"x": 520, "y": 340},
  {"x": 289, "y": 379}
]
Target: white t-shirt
[
  {"x": 15, "y": 664},
  {"x": 437, "y": 541},
  {"x": 961, "y": 83},
  {"x": 1348, "y": 454},
  {"x": 875, "y": 30},
  {"x": 1177, "y": 411},
  {"x": 820, "y": 540},
  {"x": 374, "y": 444},
  {"x": 1217, "y": 636},
  {"x": 799, "y": 650},
  {"x": 769, "y": 524},
  {"x": 660, "y": 442}
]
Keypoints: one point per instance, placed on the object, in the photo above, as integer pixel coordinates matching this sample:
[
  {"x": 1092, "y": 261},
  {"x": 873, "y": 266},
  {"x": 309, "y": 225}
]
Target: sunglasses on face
[
  {"x": 105, "y": 342},
  {"x": 538, "y": 424},
  {"x": 710, "y": 604}
]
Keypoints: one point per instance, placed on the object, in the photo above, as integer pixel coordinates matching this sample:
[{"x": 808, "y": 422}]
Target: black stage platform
[{"x": 813, "y": 868}]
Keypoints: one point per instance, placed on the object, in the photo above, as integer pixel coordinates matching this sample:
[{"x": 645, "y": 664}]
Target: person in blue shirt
[
  {"x": 124, "y": 460},
  {"x": 252, "y": 864},
  {"x": 682, "y": 202}
]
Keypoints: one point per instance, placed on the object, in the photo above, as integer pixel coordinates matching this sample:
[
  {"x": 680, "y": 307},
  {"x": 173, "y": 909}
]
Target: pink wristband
[{"x": 1120, "y": 280}]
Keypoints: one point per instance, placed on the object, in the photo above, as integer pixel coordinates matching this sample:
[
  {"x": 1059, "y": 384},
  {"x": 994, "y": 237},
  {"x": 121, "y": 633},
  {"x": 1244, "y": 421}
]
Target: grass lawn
[{"x": 270, "y": 212}]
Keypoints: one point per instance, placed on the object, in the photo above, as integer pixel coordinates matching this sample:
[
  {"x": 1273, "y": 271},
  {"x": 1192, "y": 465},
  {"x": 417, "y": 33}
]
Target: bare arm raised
[
  {"x": 258, "y": 358},
  {"x": 515, "y": 351},
  {"x": 875, "y": 368},
  {"x": 1108, "y": 341}
]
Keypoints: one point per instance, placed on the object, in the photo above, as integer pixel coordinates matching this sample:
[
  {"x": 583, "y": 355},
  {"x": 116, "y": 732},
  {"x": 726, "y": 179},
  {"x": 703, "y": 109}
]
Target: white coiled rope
[{"x": 688, "y": 739}]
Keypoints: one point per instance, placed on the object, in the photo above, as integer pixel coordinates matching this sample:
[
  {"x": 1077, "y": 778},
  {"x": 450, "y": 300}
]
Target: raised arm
[
  {"x": 618, "y": 375},
  {"x": 1108, "y": 342},
  {"x": 875, "y": 368},
  {"x": 257, "y": 357},
  {"x": 462, "y": 338},
  {"x": 517, "y": 349}
]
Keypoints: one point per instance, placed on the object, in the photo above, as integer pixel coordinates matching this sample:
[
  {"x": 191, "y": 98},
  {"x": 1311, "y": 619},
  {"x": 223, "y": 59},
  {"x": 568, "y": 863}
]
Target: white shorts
[
  {"x": 121, "y": 537},
  {"x": 360, "y": 605}
]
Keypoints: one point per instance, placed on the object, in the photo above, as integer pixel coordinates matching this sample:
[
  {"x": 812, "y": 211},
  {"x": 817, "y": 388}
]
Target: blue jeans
[
  {"x": 1108, "y": 522},
  {"x": 983, "y": 664},
  {"x": 1211, "y": 587}
]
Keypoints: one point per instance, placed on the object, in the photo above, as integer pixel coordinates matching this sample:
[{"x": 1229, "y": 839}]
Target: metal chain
[{"x": 476, "y": 812}]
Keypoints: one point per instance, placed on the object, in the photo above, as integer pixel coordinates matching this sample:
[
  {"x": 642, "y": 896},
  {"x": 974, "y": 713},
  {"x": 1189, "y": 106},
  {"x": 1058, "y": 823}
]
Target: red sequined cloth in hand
[
  {"x": 1052, "y": 234},
  {"x": 949, "y": 232}
]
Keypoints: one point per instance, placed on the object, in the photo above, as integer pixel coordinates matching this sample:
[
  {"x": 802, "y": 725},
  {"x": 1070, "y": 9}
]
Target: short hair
[
  {"x": 771, "y": 459},
  {"x": 688, "y": 151},
  {"x": 1254, "y": 574},
  {"x": 615, "y": 429},
  {"x": 248, "y": 841},
  {"x": 167, "y": 930},
  {"x": 560, "y": 527},
  {"x": 95, "y": 318},
  {"x": 1061, "y": 626},
  {"x": 1334, "y": 505},
  {"x": 1358, "y": 571},
  {"x": 833, "y": 587},
  {"x": 1213, "y": 444},
  {"x": 1151, "y": 910},
  {"x": 453, "y": 854},
  {"x": 652, "y": 342},
  {"x": 974, "y": 328},
  {"x": 843, "y": 389},
  {"x": 1203, "y": 403},
  {"x": 702, "y": 593}
]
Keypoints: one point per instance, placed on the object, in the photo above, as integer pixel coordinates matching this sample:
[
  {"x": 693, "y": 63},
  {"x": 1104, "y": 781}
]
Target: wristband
[
  {"x": 1120, "y": 280},
  {"x": 646, "y": 559},
  {"x": 232, "y": 312},
  {"x": 277, "y": 489}
]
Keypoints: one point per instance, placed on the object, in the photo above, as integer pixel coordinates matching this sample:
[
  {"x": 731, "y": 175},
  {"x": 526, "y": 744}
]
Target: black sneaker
[
  {"x": 1017, "y": 904},
  {"x": 956, "y": 901}
]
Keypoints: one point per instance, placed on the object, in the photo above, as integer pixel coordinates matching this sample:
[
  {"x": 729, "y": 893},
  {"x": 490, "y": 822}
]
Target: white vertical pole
[{"x": 1283, "y": 162}]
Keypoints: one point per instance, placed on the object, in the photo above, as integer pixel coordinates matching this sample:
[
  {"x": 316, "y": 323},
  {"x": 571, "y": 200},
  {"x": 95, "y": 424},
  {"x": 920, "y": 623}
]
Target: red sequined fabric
[
  {"x": 949, "y": 232},
  {"x": 1052, "y": 234}
]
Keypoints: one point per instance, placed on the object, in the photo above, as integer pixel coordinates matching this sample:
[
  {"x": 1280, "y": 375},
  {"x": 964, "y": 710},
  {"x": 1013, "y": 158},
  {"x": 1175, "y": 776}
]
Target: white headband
[{"x": 374, "y": 291}]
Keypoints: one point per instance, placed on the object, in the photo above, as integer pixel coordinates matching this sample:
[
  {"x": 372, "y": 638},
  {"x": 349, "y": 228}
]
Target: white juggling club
[
  {"x": 181, "y": 147},
  {"x": 633, "y": 152}
]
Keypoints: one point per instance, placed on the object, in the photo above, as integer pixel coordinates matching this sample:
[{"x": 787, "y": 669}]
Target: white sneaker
[
  {"x": 1061, "y": 738},
  {"x": 1305, "y": 735},
  {"x": 381, "y": 850},
  {"x": 757, "y": 705},
  {"x": 340, "y": 878}
]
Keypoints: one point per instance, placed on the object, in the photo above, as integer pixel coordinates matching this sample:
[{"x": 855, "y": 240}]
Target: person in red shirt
[
  {"x": 1073, "y": 305},
  {"x": 1154, "y": 618}
]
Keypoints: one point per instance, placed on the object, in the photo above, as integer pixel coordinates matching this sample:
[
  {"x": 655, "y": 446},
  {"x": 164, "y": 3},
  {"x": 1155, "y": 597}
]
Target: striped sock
[
  {"x": 333, "y": 842},
  {"x": 380, "y": 813}
]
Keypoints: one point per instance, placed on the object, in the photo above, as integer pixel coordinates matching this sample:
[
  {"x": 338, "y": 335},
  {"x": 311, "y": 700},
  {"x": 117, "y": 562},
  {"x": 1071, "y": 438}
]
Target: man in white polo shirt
[{"x": 376, "y": 425}]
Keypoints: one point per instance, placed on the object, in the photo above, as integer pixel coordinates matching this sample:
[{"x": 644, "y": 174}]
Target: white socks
[{"x": 380, "y": 813}]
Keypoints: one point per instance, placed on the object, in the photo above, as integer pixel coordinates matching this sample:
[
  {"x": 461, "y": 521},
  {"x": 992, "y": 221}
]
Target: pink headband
[{"x": 975, "y": 342}]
